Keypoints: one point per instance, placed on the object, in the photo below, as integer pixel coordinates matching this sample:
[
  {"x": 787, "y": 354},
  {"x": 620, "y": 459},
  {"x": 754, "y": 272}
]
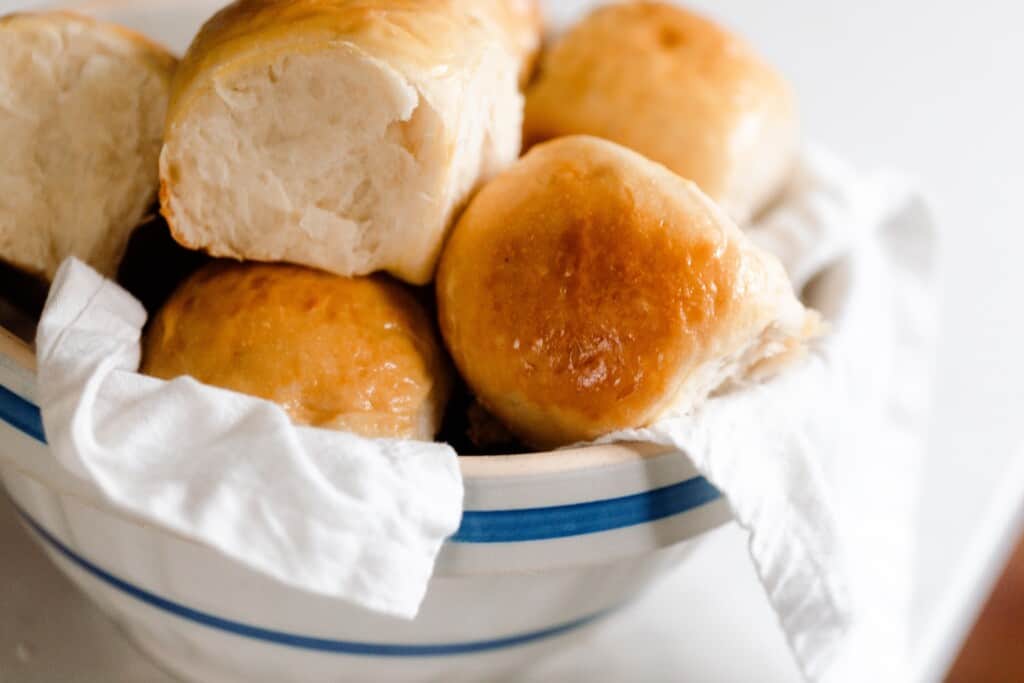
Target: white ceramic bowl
[{"x": 549, "y": 543}]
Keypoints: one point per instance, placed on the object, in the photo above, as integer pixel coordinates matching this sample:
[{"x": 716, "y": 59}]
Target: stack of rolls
[{"x": 335, "y": 156}]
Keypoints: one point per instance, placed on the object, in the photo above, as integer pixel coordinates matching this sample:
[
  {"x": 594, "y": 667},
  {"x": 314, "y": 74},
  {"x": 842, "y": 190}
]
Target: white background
[{"x": 931, "y": 87}]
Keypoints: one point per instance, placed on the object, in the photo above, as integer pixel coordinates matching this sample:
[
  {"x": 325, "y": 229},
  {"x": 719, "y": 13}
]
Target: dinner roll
[
  {"x": 342, "y": 134},
  {"x": 588, "y": 289},
  {"x": 678, "y": 89},
  {"x": 355, "y": 354},
  {"x": 82, "y": 108}
]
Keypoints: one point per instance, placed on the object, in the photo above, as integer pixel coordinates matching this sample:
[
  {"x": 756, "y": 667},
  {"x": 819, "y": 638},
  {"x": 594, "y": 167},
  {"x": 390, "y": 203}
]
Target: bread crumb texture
[{"x": 82, "y": 107}]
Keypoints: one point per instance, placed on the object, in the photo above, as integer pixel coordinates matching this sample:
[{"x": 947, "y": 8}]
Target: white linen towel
[{"x": 330, "y": 512}]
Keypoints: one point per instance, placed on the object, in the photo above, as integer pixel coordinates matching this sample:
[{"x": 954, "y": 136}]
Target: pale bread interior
[
  {"x": 334, "y": 159},
  {"x": 81, "y": 117}
]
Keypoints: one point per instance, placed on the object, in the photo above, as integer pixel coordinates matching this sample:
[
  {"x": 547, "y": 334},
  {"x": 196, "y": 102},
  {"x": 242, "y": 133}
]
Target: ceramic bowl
[{"x": 549, "y": 543}]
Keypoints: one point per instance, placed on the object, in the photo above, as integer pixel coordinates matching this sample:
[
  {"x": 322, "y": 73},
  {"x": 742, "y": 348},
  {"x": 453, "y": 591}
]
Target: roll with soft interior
[
  {"x": 82, "y": 106},
  {"x": 342, "y": 134}
]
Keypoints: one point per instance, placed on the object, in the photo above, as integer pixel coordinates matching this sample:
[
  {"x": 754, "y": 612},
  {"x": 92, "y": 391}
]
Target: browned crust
[
  {"x": 583, "y": 285},
  {"x": 666, "y": 82},
  {"x": 355, "y": 353}
]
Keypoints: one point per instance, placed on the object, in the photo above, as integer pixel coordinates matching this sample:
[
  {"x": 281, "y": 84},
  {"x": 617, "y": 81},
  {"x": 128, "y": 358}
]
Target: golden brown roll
[
  {"x": 354, "y": 354},
  {"x": 678, "y": 89},
  {"x": 342, "y": 134},
  {"x": 82, "y": 107},
  {"x": 588, "y": 289}
]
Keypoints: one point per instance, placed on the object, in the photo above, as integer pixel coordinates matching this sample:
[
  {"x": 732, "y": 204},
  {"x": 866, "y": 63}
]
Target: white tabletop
[{"x": 928, "y": 87}]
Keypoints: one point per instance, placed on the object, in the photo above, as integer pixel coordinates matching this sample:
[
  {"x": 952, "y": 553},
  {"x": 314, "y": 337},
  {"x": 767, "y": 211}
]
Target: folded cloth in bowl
[
  {"x": 330, "y": 512},
  {"x": 820, "y": 463}
]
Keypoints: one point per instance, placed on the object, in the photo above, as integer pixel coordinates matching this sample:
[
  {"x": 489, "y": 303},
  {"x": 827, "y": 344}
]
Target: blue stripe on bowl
[
  {"x": 298, "y": 641},
  {"x": 500, "y": 526},
  {"x": 21, "y": 414},
  {"x": 560, "y": 521}
]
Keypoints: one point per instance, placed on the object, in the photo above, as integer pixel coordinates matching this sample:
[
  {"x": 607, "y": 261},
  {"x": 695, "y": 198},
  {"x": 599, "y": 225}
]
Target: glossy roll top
[
  {"x": 588, "y": 289},
  {"x": 356, "y": 354}
]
